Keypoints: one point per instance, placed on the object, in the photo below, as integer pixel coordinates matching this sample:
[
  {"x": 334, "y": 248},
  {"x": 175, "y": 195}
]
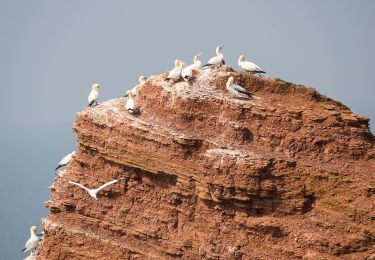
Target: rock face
[{"x": 286, "y": 174}]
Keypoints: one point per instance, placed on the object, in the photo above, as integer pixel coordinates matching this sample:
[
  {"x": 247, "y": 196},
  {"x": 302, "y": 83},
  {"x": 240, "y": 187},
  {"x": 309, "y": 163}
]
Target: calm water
[{"x": 27, "y": 166}]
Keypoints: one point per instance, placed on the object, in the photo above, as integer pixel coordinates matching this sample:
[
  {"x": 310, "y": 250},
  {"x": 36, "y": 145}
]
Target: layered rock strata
[{"x": 287, "y": 174}]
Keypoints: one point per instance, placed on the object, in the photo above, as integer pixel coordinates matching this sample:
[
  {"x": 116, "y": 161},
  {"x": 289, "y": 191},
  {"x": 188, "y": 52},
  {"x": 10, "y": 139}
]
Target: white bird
[
  {"x": 187, "y": 72},
  {"x": 93, "y": 192},
  {"x": 217, "y": 60},
  {"x": 33, "y": 241},
  {"x": 142, "y": 80},
  {"x": 236, "y": 90},
  {"x": 130, "y": 105},
  {"x": 64, "y": 161},
  {"x": 175, "y": 73},
  {"x": 249, "y": 66},
  {"x": 94, "y": 94}
]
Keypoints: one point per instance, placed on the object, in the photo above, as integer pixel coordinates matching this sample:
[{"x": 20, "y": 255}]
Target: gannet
[
  {"x": 236, "y": 90},
  {"x": 142, "y": 80},
  {"x": 175, "y": 73},
  {"x": 130, "y": 105},
  {"x": 64, "y": 161},
  {"x": 93, "y": 192},
  {"x": 94, "y": 94},
  {"x": 187, "y": 72},
  {"x": 249, "y": 66},
  {"x": 33, "y": 241},
  {"x": 217, "y": 60}
]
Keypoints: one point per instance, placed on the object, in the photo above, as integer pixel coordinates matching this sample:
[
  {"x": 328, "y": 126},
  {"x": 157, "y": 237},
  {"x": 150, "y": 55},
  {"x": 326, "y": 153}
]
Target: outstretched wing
[
  {"x": 106, "y": 184},
  {"x": 79, "y": 185}
]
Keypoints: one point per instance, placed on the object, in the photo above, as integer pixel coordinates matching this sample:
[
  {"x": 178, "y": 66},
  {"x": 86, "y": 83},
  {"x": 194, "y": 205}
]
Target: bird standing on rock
[
  {"x": 187, "y": 72},
  {"x": 94, "y": 94},
  {"x": 175, "y": 73},
  {"x": 249, "y": 66},
  {"x": 142, "y": 80},
  {"x": 130, "y": 105},
  {"x": 236, "y": 90},
  {"x": 217, "y": 60},
  {"x": 33, "y": 241}
]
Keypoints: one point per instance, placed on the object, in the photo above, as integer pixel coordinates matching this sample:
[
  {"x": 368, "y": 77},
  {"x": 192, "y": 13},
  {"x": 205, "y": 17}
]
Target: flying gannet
[
  {"x": 217, "y": 60},
  {"x": 93, "y": 192},
  {"x": 64, "y": 161},
  {"x": 175, "y": 73},
  {"x": 187, "y": 72},
  {"x": 94, "y": 94},
  {"x": 249, "y": 66},
  {"x": 142, "y": 80},
  {"x": 33, "y": 241},
  {"x": 236, "y": 90},
  {"x": 130, "y": 105}
]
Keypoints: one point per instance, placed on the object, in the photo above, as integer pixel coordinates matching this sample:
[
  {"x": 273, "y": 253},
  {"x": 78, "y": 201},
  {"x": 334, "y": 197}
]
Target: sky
[{"x": 52, "y": 51}]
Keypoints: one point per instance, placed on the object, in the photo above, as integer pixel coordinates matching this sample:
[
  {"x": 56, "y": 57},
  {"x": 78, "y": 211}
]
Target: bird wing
[
  {"x": 106, "y": 184},
  {"x": 215, "y": 60},
  {"x": 66, "y": 158},
  {"x": 188, "y": 71},
  {"x": 92, "y": 96},
  {"x": 239, "y": 88},
  {"x": 250, "y": 66},
  {"x": 32, "y": 243},
  {"x": 79, "y": 185},
  {"x": 28, "y": 243},
  {"x": 176, "y": 72}
]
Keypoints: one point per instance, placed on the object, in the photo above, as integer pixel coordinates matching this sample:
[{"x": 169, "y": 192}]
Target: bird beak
[{"x": 221, "y": 45}]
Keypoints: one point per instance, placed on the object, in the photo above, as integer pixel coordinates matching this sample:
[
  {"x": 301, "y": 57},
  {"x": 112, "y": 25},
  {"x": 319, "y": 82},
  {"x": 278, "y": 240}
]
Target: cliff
[{"x": 287, "y": 174}]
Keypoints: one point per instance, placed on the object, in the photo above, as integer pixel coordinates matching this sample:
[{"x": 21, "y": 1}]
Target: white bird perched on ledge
[
  {"x": 236, "y": 90},
  {"x": 217, "y": 60},
  {"x": 142, "y": 80},
  {"x": 249, "y": 66},
  {"x": 33, "y": 241},
  {"x": 175, "y": 73},
  {"x": 130, "y": 105},
  {"x": 187, "y": 72},
  {"x": 94, "y": 94},
  {"x": 93, "y": 192},
  {"x": 64, "y": 161}
]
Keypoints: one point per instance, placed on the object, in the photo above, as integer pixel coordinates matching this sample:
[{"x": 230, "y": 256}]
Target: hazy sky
[{"x": 52, "y": 51}]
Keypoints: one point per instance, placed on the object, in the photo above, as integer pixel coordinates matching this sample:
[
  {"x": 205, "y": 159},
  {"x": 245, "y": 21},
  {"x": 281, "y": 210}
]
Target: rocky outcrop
[{"x": 286, "y": 174}]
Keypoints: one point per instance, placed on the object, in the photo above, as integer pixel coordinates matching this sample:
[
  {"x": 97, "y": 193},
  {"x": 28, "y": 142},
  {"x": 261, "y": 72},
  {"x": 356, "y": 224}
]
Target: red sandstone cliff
[{"x": 287, "y": 174}]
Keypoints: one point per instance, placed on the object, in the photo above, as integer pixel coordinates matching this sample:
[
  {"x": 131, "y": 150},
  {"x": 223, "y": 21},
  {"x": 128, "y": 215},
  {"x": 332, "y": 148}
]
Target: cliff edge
[{"x": 287, "y": 174}]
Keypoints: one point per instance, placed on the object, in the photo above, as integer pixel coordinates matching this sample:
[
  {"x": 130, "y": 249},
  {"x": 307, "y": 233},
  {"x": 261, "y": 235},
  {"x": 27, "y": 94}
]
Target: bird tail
[
  {"x": 261, "y": 71},
  {"x": 91, "y": 103},
  {"x": 58, "y": 167},
  {"x": 223, "y": 62},
  {"x": 23, "y": 250},
  {"x": 207, "y": 65}
]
